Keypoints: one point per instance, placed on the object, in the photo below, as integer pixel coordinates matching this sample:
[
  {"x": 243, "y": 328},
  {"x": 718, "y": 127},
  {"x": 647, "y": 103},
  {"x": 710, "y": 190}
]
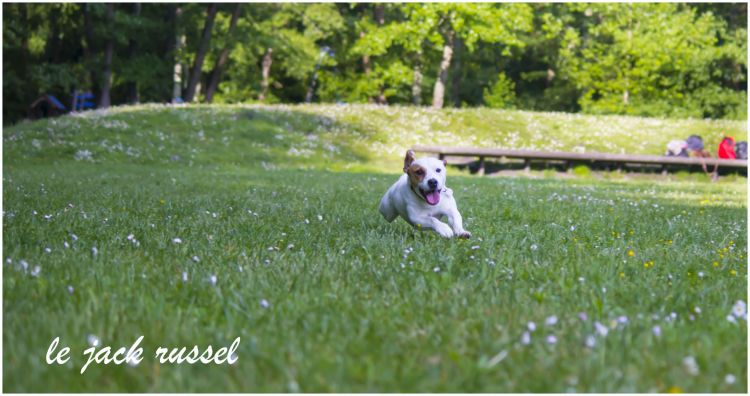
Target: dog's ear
[{"x": 408, "y": 159}]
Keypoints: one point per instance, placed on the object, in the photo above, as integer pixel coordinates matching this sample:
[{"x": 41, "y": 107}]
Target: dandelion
[
  {"x": 264, "y": 303},
  {"x": 656, "y": 330},
  {"x": 631, "y": 253},
  {"x": 196, "y": 259},
  {"x": 551, "y": 340},
  {"x": 590, "y": 341},
  {"x": 690, "y": 365},
  {"x": 733, "y": 272},
  {"x": 92, "y": 340},
  {"x": 212, "y": 279},
  {"x": 176, "y": 241},
  {"x": 700, "y": 274},
  {"x": 525, "y": 338},
  {"x": 550, "y": 321},
  {"x": 531, "y": 326},
  {"x": 697, "y": 310},
  {"x": 730, "y": 379}
]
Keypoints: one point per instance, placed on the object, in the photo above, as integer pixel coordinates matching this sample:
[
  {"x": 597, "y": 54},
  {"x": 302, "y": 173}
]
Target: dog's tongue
[{"x": 433, "y": 198}]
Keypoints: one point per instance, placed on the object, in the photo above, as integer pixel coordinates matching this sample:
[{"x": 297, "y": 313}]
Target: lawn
[{"x": 199, "y": 225}]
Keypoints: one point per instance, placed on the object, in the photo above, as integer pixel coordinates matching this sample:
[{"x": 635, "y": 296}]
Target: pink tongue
[{"x": 434, "y": 197}]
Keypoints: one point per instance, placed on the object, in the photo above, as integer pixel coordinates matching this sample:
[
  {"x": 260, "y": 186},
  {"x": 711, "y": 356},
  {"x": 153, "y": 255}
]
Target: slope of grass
[
  {"x": 337, "y": 137},
  {"x": 641, "y": 278}
]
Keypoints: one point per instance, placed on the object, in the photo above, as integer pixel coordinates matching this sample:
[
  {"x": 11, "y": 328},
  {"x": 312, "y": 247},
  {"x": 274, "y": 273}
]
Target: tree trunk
[
  {"x": 456, "y": 74},
  {"x": 132, "y": 88},
  {"x": 88, "y": 49},
  {"x": 195, "y": 71},
  {"x": 416, "y": 85},
  {"x": 109, "y": 48},
  {"x": 365, "y": 58},
  {"x": 438, "y": 93},
  {"x": 380, "y": 20},
  {"x": 221, "y": 61},
  {"x": 267, "y": 60}
]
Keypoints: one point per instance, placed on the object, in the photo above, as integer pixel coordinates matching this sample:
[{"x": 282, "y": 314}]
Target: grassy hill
[
  {"x": 197, "y": 225},
  {"x": 333, "y": 136}
]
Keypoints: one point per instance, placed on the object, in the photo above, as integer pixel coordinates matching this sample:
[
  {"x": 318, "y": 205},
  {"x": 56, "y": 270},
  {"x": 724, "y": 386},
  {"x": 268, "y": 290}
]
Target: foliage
[
  {"x": 660, "y": 60},
  {"x": 502, "y": 94}
]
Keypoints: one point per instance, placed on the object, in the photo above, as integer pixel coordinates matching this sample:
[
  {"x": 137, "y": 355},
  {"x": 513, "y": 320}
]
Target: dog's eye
[{"x": 438, "y": 170}]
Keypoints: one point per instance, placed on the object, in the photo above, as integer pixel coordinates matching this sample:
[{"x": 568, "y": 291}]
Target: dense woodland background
[{"x": 664, "y": 60}]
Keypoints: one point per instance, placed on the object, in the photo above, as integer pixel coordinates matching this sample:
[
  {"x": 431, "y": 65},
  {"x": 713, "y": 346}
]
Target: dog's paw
[
  {"x": 463, "y": 235},
  {"x": 445, "y": 232}
]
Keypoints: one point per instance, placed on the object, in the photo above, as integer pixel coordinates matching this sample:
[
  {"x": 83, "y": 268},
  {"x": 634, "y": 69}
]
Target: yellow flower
[
  {"x": 716, "y": 264},
  {"x": 733, "y": 272},
  {"x": 632, "y": 232},
  {"x": 631, "y": 253},
  {"x": 622, "y": 274},
  {"x": 674, "y": 389}
]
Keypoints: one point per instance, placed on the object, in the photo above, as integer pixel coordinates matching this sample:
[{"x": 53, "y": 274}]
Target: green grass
[{"x": 355, "y": 304}]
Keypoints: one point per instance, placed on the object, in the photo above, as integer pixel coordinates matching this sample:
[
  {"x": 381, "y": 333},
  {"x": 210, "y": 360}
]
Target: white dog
[{"x": 421, "y": 198}]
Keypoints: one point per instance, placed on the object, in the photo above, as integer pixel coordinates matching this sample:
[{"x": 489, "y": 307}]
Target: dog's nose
[{"x": 432, "y": 183}]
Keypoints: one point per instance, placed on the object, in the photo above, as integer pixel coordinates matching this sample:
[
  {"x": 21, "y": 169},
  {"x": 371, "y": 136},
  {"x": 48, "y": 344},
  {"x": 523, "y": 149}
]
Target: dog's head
[{"x": 426, "y": 176}]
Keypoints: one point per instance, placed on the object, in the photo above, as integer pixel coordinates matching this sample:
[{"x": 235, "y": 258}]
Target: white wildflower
[
  {"x": 531, "y": 326},
  {"x": 525, "y": 338},
  {"x": 264, "y": 303},
  {"x": 551, "y": 320},
  {"x": 176, "y": 240},
  {"x": 601, "y": 329},
  {"x": 690, "y": 365},
  {"x": 92, "y": 340},
  {"x": 590, "y": 341},
  {"x": 656, "y": 330}
]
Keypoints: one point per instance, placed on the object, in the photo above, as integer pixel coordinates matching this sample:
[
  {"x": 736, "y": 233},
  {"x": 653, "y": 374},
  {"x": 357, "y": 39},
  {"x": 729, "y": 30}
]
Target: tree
[
  {"x": 109, "y": 48},
  {"x": 221, "y": 61},
  {"x": 651, "y": 59},
  {"x": 200, "y": 55}
]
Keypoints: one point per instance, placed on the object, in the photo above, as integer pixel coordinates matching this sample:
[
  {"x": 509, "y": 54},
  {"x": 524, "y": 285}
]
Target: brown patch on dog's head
[
  {"x": 416, "y": 174},
  {"x": 408, "y": 159}
]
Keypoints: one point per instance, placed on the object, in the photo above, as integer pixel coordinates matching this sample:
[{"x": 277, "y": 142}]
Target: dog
[{"x": 421, "y": 198}]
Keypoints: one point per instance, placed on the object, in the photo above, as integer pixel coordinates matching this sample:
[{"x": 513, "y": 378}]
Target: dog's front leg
[
  {"x": 456, "y": 222},
  {"x": 429, "y": 222}
]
